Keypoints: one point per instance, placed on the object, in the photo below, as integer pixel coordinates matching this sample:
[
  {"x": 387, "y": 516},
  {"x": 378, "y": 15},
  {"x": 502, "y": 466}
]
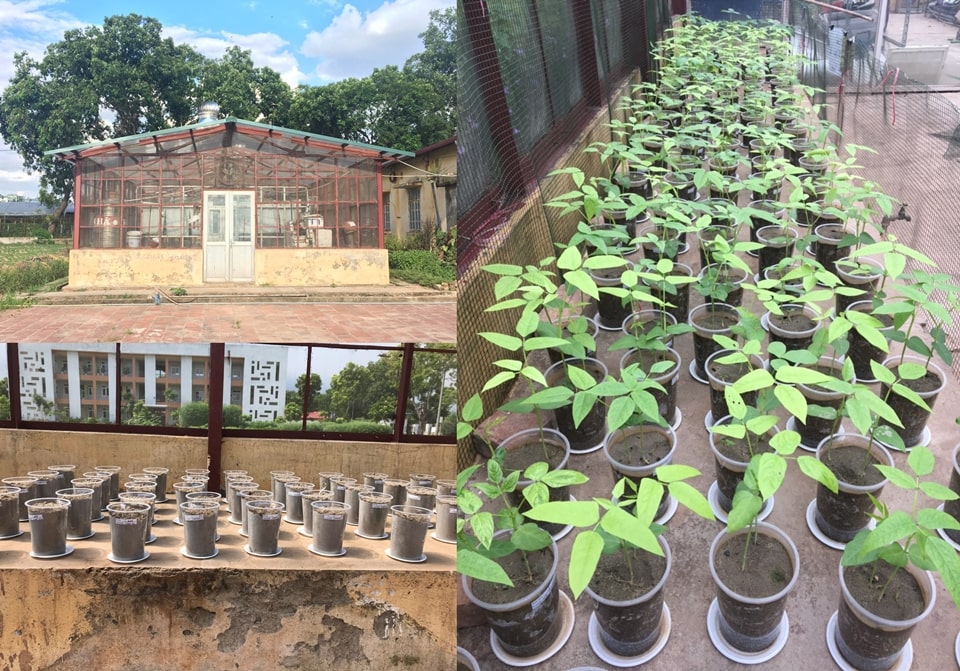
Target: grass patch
[
  {"x": 31, "y": 266},
  {"x": 420, "y": 266}
]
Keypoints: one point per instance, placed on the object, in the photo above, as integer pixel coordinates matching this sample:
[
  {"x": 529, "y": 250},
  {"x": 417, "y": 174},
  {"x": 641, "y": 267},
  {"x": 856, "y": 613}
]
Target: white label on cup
[
  {"x": 676, "y": 378},
  {"x": 540, "y": 599},
  {"x": 125, "y": 520},
  {"x": 293, "y": 493},
  {"x": 452, "y": 510},
  {"x": 332, "y": 517},
  {"x": 193, "y": 518},
  {"x": 413, "y": 497},
  {"x": 271, "y": 516},
  {"x": 381, "y": 505},
  {"x": 35, "y": 517}
]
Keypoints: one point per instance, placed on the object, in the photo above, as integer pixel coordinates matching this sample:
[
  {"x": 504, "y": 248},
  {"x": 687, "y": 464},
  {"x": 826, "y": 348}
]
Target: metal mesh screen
[{"x": 534, "y": 75}]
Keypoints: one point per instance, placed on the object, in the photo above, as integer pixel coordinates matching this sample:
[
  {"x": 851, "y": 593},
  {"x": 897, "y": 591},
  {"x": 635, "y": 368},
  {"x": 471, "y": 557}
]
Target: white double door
[{"x": 228, "y": 235}]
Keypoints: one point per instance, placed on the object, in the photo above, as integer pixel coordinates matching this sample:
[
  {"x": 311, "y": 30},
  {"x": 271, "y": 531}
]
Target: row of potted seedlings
[
  {"x": 58, "y": 514},
  {"x": 833, "y": 375}
]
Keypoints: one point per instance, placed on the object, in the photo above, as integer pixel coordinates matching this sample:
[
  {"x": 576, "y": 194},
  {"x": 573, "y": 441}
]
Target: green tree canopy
[{"x": 244, "y": 91}]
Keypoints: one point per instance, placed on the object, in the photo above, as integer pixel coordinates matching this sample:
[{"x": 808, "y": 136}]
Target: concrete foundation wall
[
  {"x": 139, "y": 268},
  {"x": 321, "y": 267},
  {"x": 192, "y": 619}
]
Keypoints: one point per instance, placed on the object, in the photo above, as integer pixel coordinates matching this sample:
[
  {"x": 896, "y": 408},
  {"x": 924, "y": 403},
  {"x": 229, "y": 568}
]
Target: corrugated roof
[
  {"x": 28, "y": 208},
  {"x": 68, "y": 153}
]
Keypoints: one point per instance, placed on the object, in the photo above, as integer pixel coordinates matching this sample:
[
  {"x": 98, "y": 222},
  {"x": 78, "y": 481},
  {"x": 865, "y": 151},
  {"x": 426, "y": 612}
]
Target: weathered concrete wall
[
  {"x": 26, "y": 450},
  {"x": 139, "y": 268},
  {"x": 199, "y": 620},
  {"x": 112, "y": 268},
  {"x": 321, "y": 267},
  {"x": 307, "y": 458}
]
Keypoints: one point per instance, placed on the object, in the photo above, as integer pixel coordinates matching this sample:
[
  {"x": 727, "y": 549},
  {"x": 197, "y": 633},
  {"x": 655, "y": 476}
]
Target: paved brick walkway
[{"x": 339, "y": 322}]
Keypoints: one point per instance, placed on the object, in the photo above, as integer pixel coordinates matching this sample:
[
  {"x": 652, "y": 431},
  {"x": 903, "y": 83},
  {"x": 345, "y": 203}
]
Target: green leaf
[
  {"x": 761, "y": 424},
  {"x": 625, "y": 526},
  {"x": 503, "y": 269},
  {"x": 947, "y": 561},
  {"x": 584, "y": 557},
  {"x": 581, "y": 280},
  {"x": 792, "y": 400},
  {"x": 921, "y": 461},
  {"x": 507, "y": 342},
  {"x": 938, "y": 492},
  {"x": 563, "y": 478},
  {"x": 815, "y": 469},
  {"x": 473, "y": 409},
  {"x": 894, "y": 528},
  {"x": 801, "y": 375},
  {"x": 746, "y": 507},
  {"x": 543, "y": 342},
  {"x": 569, "y": 259},
  {"x": 931, "y": 518},
  {"x": 536, "y": 471},
  {"x": 580, "y": 378},
  {"x": 476, "y": 566},
  {"x": 575, "y": 513},
  {"x": 691, "y": 498},
  {"x": 771, "y": 469},
  {"x": 619, "y": 412},
  {"x": 758, "y": 378},
  {"x": 482, "y": 526},
  {"x": 675, "y": 472},
  {"x": 506, "y": 285},
  {"x": 530, "y": 537},
  {"x": 897, "y": 477},
  {"x": 785, "y": 442}
]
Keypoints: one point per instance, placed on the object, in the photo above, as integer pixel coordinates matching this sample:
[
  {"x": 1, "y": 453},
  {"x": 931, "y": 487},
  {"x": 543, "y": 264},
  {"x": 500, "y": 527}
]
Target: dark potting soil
[
  {"x": 738, "y": 449},
  {"x": 526, "y": 577},
  {"x": 768, "y": 570},
  {"x": 640, "y": 449},
  {"x": 522, "y": 456},
  {"x": 793, "y": 320},
  {"x": 884, "y": 590},
  {"x": 728, "y": 372},
  {"x": 850, "y": 464},
  {"x": 715, "y": 320},
  {"x": 929, "y": 382},
  {"x": 613, "y": 579}
]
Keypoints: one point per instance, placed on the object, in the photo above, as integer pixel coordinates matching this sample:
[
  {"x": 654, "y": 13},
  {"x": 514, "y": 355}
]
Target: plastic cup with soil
[
  {"x": 397, "y": 488},
  {"x": 667, "y": 376},
  {"x": 422, "y": 480},
  {"x": 927, "y": 387},
  {"x": 236, "y": 507},
  {"x": 588, "y": 434},
  {"x": 424, "y": 497},
  {"x": 263, "y": 527},
  {"x": 9, "y": 512},
  {"x": 48, "y": 527},
  {"x": 860, "y": 278},
  {"x": 753, "y": 580},
  {"x": 325, "y": 479},
  {"x": 28, "y": 490},
  {"x": 721, "y": 375},
  {"x": 816, "y": 428},
  {"x": 67, "y": 472},
  {"x": 446, "y": 515},
  {"x": 279, "y": 480},
  {"x": 210, "y": 497},
  {"x": 79, "y": 517},
  {"x": 306, "y": 503},
  {"x": 853, "y": 459},
  {"x": 230, "y": 495},
  {"x": 708, "y": 320},
  {"x": 199, "y": 519},
  {"x": 375, "y": 480},
  {"x": 408, "y": 530},
  {"x": 329, "y": 523},
  {"x": 150, "y": 499},
  {"x": 829, "y": 247},
  {"x": 256, "y": 494},
  {"x": 635, "y": 452},
  {"x": 96, "y": 498},
  {"x": 339, "y": 487},
  {"x": 104, "y": 478},
  {"x": 128, "y": 524},
  {"x": 162, "y": 474},
  {"x": 723, "y": 282},
  {"x": 374, "y": 508},
  {"x": 611, "y": 309},
  {"x": 181, "y": 489},
  {"x": 196, "y": 477},
  {"x": 778, "y": 243},
  {"x": 114, "y": 472},
  {"x": 351, "y": 496},
  {"x": 526, "y": 447},
  {"x": 731, "y": 458},
  {"x": 197, "y": 471},
  {"x": 794, "y": 327},
  {"x": 446, "y": 487},
  {"x": 293, "y": 506},
  {"x": 862, "y": 351},
  {"x": 48, "y": 482}
]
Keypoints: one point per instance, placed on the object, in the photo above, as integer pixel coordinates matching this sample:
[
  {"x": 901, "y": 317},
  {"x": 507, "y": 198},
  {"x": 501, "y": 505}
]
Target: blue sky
[{"x": 307, "y": 41}]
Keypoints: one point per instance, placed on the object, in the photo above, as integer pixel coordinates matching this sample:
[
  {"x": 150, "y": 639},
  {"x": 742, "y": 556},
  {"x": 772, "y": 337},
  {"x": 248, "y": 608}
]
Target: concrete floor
[{"x": 690, "y": 589}]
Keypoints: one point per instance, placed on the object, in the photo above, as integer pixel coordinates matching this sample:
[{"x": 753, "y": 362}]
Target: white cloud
[{"x": 355, "y": 43}]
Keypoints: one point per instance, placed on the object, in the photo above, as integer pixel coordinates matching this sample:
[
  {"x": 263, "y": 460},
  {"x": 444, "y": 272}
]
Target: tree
[
  {"x": 232, "y": 415},
  {"x": 433, "y": 389},
  {"x": 243, "y": 91},
  {"x": 143, "y": 416},
  {"x": 123, "y": 70},
  {"x": 349, "y": 391},
  {"x": 437, "y": 63}
]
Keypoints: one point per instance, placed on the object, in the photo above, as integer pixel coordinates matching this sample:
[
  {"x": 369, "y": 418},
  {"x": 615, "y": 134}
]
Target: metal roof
[
  {"x": 28, "y": 208},
  {"x": 77, "y": 151}
]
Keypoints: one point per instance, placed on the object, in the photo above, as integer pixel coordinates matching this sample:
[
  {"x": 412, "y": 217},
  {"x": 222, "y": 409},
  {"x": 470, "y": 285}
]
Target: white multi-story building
[{"x": 80, "y": 380}]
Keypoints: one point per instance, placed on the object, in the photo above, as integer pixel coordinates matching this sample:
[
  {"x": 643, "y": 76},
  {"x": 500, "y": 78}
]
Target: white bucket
[{"x": 133, "y": 239}]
